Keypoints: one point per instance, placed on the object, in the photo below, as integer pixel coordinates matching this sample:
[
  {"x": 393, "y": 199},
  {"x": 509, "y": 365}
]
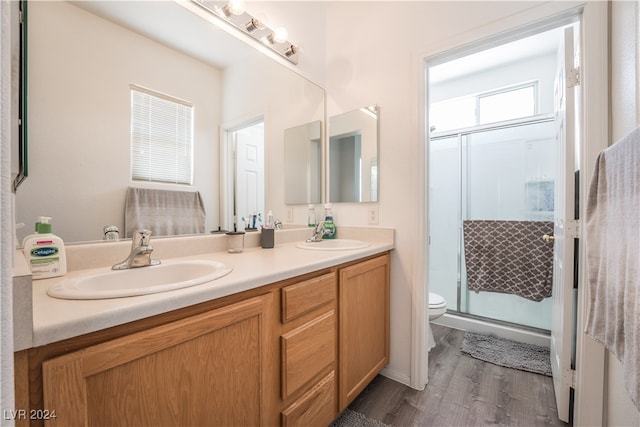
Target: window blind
[{"x": 161, "y": 137}]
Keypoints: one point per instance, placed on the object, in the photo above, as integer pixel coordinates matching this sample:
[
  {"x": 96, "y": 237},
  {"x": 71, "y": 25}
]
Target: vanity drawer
[
  {"x": 317, "y": 407},
  {"x": 306, "y": 352},
  {"x": 306, "y": 296}
]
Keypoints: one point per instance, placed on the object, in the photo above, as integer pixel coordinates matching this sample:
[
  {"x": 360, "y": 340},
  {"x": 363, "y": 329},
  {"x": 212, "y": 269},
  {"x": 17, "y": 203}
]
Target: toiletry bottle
[
  {"x": 311, "y": 216},
  {"x": 269, "y": 223},
  {"x": 45, "y": 251},
  {"x": 329, "y": 226}
]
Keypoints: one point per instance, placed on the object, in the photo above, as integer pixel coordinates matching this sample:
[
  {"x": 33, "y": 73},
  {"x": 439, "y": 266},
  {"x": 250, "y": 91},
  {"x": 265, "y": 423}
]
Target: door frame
[{"x": 594, "y": 132}]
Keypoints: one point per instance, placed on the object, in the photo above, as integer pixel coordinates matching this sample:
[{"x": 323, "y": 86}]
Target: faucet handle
[{"x": 141, "y": 238}]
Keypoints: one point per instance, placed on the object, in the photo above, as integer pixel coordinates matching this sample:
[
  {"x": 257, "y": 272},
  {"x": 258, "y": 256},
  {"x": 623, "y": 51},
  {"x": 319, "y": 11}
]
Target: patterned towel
[{"x": 509, "y": 257}]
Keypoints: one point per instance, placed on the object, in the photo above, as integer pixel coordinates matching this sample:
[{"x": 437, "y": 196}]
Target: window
[
  {"x": 161, "y": 137},
  {"x": 512, "y": 103},
  {"x": 487, "y": 107}
]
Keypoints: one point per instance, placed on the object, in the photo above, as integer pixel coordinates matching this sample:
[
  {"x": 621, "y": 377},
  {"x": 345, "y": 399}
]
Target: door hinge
[
  {"x": 573, "y": 77},
  {"x": 569, "y": 378},
  {"x": 572, "y": 228}
]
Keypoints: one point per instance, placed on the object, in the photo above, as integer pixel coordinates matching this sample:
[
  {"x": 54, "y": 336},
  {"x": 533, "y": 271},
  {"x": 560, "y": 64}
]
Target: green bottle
[{"x": 330, "y": 231}]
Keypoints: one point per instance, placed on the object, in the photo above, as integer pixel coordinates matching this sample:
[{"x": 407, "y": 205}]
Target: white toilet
[{"x": 437, "y": 307}]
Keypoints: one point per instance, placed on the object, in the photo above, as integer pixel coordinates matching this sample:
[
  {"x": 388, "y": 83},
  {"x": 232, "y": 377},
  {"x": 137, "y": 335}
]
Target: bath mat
[
  {"x": 349, "y": 418},
  {"x": 507, "y": 353}
]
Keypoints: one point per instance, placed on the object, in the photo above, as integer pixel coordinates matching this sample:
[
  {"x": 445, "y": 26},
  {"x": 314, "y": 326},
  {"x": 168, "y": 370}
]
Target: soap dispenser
[
  {"x": 45, "y": 251},
  {"x": 329, "y": 226}
]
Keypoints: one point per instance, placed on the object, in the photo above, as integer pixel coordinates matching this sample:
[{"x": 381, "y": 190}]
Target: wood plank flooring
[{"x": 462, "y": 391}]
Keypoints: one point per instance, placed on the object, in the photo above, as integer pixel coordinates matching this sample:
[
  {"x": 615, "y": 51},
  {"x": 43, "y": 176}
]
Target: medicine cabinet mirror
[
  {"x": 79, "y": 105},
  {"x": 353, "y": 155},
  {"x": 303, "y": 164}
]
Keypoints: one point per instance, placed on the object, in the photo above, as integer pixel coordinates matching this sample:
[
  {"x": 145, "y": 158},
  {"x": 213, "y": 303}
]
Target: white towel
[
  {"x": 164, "y": 212},
  {"x": 613, "y": 256}
]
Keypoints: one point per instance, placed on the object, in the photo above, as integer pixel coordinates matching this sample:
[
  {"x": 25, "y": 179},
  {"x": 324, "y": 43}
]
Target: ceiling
[{"x": 529, "y": 47}]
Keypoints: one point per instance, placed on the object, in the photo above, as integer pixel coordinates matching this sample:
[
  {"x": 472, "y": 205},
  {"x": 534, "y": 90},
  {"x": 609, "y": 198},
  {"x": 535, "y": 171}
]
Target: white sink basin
[
  {"x": 164, "y": 277},
  {"x": 334, "y": 245}
]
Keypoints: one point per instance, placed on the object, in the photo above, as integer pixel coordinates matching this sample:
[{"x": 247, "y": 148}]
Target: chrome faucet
[
  {"x": 140, "y": 255},
  {"x": 318, "y": 232}
]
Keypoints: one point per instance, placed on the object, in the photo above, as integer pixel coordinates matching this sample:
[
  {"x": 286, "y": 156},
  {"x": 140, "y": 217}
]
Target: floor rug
[
  {"x": 507, "y": 353},
  {"x": 349, "y": 418}
]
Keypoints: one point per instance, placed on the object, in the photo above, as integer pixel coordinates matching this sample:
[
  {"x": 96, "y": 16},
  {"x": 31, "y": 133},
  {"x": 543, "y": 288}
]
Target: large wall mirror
[
  {"x": 83, "y": 59},
  {"x": 303, "y": 164},
  {"x": 353, "y": 156}
]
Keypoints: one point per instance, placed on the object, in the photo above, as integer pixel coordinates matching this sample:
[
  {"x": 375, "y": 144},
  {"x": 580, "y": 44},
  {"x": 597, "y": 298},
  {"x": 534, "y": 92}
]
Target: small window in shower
[
  {"x": 512, "y": 102},
  {"x": 507, "y": 104}
]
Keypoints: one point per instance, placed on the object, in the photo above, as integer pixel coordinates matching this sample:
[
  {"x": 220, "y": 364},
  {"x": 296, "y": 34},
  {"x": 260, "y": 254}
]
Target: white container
[{"x": 45, "y": 252}]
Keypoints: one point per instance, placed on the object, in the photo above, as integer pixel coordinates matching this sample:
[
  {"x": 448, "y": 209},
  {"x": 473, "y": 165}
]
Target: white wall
[
  {"x": 373, "y": 57},
  {"x": 625, "y": 117},
  {"x": 80, "y": 70}
]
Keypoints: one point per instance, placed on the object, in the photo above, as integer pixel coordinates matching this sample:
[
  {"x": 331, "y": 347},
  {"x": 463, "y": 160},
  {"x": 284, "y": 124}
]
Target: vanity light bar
[{"x": 233, "y": 13}]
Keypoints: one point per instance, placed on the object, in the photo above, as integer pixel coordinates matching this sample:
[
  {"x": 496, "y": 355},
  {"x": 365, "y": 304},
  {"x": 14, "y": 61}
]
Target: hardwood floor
[{"x": 462, "y": 391}]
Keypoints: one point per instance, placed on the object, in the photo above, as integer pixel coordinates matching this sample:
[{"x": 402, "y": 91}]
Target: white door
[
  {"x": 249, "y": 192},
  {"x": 565, "y": 225}
]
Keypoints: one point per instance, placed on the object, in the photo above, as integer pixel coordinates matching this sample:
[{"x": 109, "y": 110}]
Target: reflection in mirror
[
  {"x": 80, "y": 107},
  {"x": 302, "y": 164},
  {"x": 353, "y": 156},
  {"x": 245, "y": 150}
]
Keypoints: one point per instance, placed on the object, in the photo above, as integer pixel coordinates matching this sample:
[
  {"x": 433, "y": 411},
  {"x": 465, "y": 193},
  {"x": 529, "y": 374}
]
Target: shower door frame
[{"x": 462, "y": 137}]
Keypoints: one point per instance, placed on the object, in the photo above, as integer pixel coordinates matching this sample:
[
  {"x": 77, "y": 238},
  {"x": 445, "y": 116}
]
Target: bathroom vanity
[{"x": 289, "y": 337}]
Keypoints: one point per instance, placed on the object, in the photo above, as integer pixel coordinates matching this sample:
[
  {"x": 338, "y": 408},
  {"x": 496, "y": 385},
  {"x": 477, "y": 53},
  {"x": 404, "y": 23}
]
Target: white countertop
[{"x": 57, "y": 319}]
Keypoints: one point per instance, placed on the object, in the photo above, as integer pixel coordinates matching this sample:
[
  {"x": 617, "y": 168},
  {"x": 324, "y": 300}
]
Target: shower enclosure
[{"x": 503, "y": 171}]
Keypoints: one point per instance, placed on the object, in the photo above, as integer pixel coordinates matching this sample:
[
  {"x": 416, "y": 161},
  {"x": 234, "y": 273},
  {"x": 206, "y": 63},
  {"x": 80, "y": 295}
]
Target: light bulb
[
  {"x": 233, "y": 7},
  {"x": 279, "y": 35}
]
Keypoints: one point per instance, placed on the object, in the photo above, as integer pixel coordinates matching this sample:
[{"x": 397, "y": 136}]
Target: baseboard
[{"x": 396, "y": 376}]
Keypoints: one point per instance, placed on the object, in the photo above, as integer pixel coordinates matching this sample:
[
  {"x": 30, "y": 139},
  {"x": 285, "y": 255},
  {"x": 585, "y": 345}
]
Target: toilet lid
[{"x": 435, "y": 300}]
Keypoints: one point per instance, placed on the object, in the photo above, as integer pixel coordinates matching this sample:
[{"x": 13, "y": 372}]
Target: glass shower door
[
  {"x": 508, "y": 174},
  {"x": 488, "y": 173}
]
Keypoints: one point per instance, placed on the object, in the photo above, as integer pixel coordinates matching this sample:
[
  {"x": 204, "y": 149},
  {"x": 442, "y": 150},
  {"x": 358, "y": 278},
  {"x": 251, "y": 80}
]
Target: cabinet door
[
  {"x": 364, "y": 325},
  {"x": 202, "y": 370}
]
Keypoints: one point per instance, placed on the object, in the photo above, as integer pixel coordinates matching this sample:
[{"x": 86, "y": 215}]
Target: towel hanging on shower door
[{"x": 509, "y": 257}]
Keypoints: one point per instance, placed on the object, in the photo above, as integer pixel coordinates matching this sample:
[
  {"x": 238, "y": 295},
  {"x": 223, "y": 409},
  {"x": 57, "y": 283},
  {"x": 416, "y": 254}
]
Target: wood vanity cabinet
[
  {"x": 364, "y": 325},
  {"x": 293, "y": 353},
  {"x": 203, "y": 370}
]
